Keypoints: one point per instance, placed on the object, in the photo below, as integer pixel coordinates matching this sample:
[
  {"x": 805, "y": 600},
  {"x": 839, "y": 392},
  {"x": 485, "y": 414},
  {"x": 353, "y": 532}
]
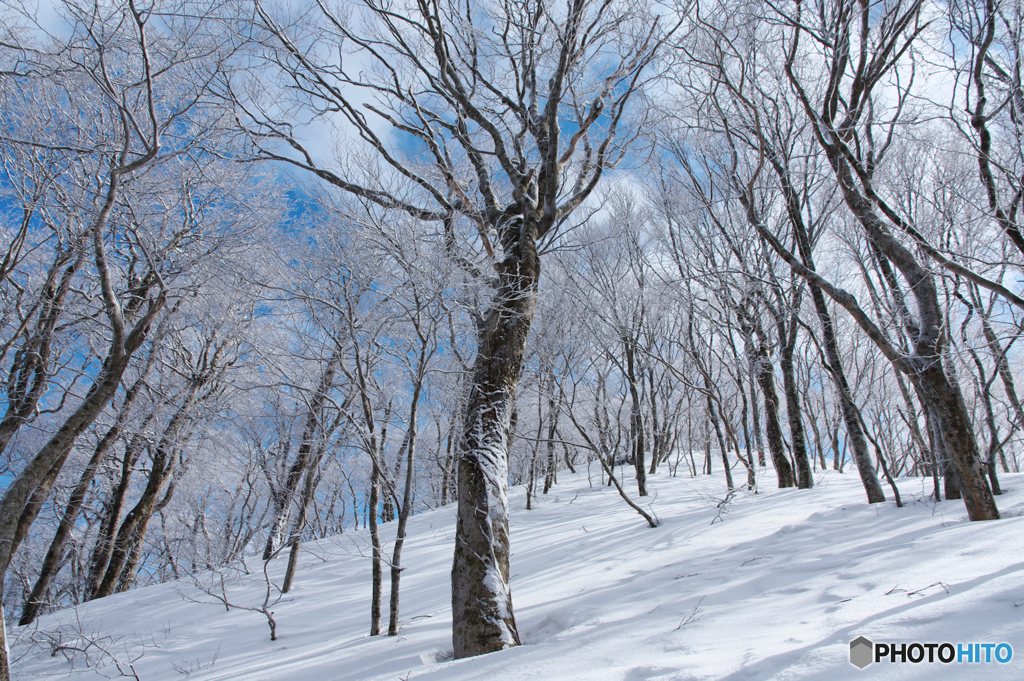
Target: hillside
[{"x": 776, "y": 587}]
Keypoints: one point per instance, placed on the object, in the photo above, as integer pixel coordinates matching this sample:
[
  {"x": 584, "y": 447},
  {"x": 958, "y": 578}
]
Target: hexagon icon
[{"x": 862, "y": 652}]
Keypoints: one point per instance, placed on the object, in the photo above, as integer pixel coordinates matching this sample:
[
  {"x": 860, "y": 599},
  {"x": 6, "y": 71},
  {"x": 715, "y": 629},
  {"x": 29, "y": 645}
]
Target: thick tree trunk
[{"x": 483, "y": 620}]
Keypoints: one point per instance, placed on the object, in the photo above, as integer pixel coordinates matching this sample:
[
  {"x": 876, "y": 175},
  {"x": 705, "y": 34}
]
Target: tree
[
  {"x": 482, "y": 97},
  {"x": 860, "y": 53},
  {"x": 120, "y": 97}
]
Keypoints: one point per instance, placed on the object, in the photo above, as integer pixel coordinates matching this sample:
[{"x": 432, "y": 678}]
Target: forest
[{"x": 273, "y": 272}]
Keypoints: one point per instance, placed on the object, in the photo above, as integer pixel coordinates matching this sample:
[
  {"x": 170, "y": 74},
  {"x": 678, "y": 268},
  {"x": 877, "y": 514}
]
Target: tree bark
[
  {"x": 483, "y": 620},
  {"x": 636, "y": 418},
  {"x": 804, "y": 478},
  {"x": 765, "y": 375}
]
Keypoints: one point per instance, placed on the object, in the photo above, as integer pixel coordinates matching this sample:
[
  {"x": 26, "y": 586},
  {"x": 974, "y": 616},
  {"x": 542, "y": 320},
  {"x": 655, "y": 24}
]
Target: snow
[{"x": 776, "y": 587}]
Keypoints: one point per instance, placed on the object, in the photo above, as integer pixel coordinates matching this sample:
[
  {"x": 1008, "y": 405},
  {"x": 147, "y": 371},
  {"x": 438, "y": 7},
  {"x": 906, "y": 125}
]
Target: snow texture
[{"x": 776, "y": 588}]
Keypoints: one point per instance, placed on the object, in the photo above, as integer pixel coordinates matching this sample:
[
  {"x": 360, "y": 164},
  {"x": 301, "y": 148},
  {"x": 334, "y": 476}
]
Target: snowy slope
[{"x": 775, "y": 589}]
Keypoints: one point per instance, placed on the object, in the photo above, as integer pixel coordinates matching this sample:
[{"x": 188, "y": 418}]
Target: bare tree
[
  {"x": 847, "y": 129},
  {"x": 486, "y": 107}
]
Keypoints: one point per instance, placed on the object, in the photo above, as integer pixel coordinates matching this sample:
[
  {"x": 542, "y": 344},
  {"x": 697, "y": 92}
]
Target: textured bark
[
  {"x": 765, "y": 374},
  {"x": 804, "y": 478},
  {"x": 481, "y": 597}
]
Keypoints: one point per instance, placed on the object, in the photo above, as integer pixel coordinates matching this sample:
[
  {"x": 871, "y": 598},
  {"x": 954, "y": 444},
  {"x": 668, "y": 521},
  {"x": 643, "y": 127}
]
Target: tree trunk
[
  {"x": 483, "y": 620},
  {"x": 855, "y": 434},
  {"x": 636, "y": 419},
  {"x": 35, "y": 503},
  {"x": 656, "y": 435},
  {"x": 926, "y": 365},
  {"x": 551, "y": 477},
  {"x": 295, "y": 540},
  {"x": 804, "y": 477},
  {"x": 18, "y": 493},
  {"x": 713, "y": 417},
  {"x": 407, "y": 496},
  {"x": 133, "y": 528},
  {"x": 282, "y": 497},
  {"x": 372, "y": 512},
  {"x": 772, "y": 427},
  {"x": 104, "y": 546},
  {"x": 52, "y": 561}
]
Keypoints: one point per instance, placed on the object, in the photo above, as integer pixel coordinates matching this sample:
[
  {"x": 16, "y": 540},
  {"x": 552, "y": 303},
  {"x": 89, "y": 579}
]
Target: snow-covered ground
[{"x": 776, "y": 587}]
